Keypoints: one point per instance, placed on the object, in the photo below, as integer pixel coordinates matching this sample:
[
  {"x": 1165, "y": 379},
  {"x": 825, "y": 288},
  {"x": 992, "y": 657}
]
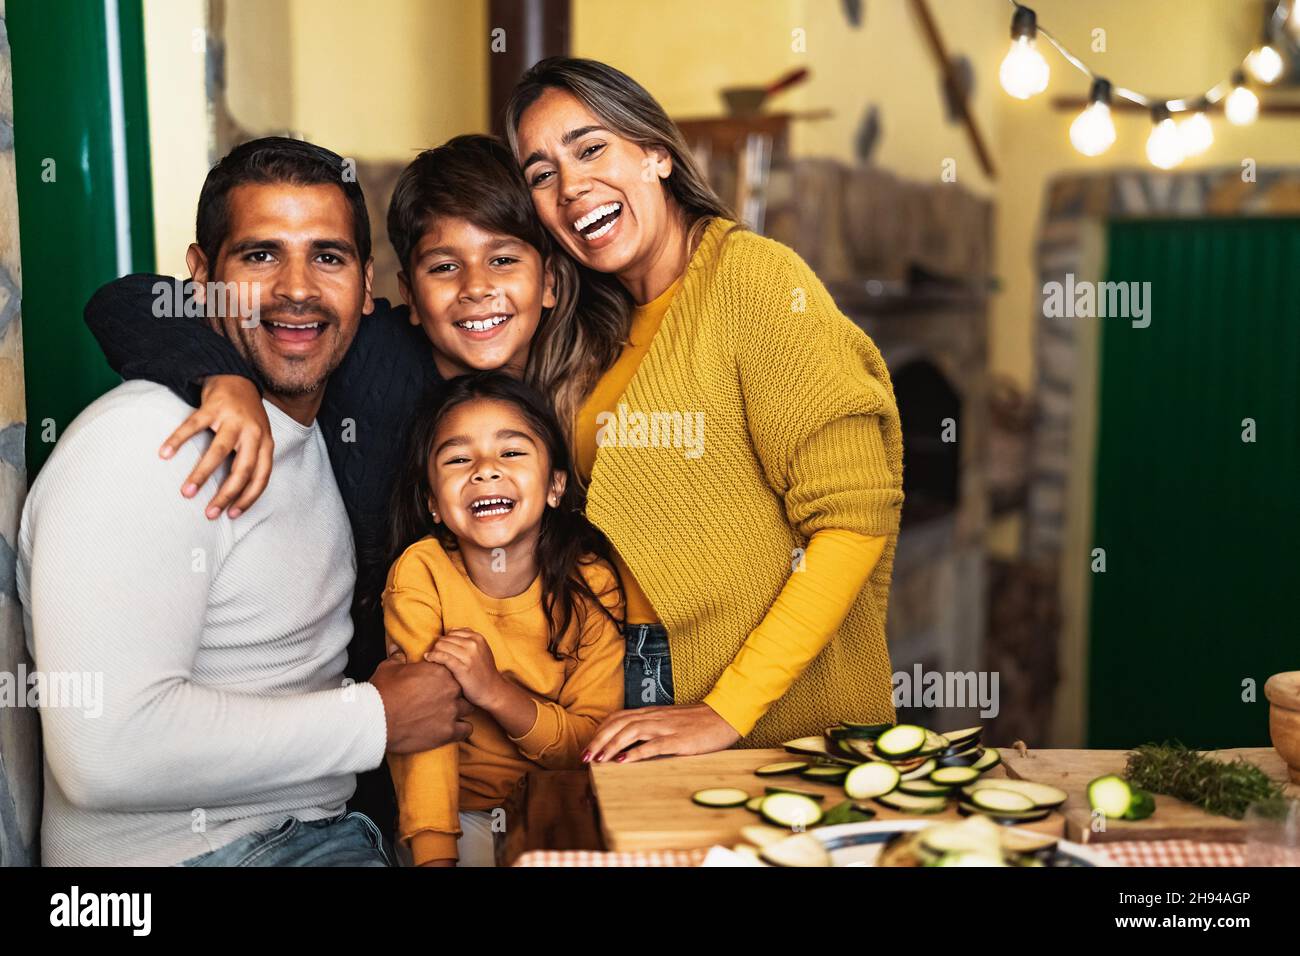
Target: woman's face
[
  {"x": 478, "y": 295},
  {"x": 491, "y": 475},
  {"x": 599, "y": 194}
]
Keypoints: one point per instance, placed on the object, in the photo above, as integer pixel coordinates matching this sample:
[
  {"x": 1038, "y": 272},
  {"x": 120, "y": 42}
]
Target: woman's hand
[
  {"x": 232, "y": 408},
  {"x": 466, "y": 654},
  {"x": 679, "y": 729}
]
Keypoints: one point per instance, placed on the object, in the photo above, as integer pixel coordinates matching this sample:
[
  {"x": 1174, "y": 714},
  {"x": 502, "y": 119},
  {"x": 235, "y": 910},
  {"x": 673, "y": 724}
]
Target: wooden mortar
[{"x": 1283, "y": 693}]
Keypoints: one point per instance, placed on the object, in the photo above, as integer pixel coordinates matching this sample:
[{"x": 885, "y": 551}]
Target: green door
[
  {"x": 81, "y": 148},
  {"x": 1199, "y": 527}
]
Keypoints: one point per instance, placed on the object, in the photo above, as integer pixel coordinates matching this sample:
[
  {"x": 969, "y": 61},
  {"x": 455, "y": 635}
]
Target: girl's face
[
  {"x": 599, "y": 194},
  {"x": 491, "y": 475},
  {"x": 478, "y": 295}
]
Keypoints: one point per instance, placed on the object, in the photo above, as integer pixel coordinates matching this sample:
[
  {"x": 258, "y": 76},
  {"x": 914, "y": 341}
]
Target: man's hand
[
  {"x": 466, "y": 654},
  {"x": 232, "y": 408},
  {"x": 423, "y": 706}
]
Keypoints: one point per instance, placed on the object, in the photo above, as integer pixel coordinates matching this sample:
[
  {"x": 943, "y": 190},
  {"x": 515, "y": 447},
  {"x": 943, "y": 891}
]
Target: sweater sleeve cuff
[
  {"x": 727, "y": 700},
  {"x": 375, "y": 741},
  {"x": 433, "y": 845},
  {"x": 542, "y": 736}
]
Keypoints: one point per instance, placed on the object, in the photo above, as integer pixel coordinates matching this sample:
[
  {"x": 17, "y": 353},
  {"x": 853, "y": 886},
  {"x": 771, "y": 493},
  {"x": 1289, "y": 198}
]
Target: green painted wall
[
  {"x": 64, "y": 157},
  {"x": 1198, "y": 526}
]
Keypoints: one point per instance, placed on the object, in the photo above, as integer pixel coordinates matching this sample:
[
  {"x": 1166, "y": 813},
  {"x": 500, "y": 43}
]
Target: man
[{"x": 226, "y": 734}]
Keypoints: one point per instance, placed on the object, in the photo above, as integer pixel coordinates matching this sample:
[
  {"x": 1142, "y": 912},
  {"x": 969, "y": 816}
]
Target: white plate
[{"x": 859, "y": 844}]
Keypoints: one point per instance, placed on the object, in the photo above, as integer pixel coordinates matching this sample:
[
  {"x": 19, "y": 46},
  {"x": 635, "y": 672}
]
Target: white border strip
[{"x": 117, "y": 129}]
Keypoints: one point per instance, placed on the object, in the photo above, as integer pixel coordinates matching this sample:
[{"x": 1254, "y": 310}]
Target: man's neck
[{"x": 301, "y": 408}]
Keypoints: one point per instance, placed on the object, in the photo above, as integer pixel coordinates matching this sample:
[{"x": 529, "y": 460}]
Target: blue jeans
[
  {"x": 647, "y": 666},
  {"x": 350, "y": 839}
]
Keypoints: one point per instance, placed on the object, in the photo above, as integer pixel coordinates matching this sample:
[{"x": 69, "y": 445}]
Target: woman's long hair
[
  {"x": 570, "y": 353},
  {"x": 567, "y": 540}
]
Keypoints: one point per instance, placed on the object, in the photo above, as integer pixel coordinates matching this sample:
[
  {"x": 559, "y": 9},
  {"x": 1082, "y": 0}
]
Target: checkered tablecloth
[{"x": 1128, "y": 853}]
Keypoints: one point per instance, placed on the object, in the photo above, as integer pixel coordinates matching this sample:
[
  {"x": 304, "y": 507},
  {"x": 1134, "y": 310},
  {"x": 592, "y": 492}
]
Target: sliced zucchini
[
  {"x": 753, "y": 803},
  {"x": 990, "y": 759},
  {"x": 810, "y": 794},
  {"x": 799, "y": 850},
  {"x": 923, "y": 788},
  {"x": 746, "y": 849},
  {"x": 836, "y": 732},
  {"x": 902, "y": 740},
  {"x": 907, "y": 803},
  {"x": 790, "y": 810},
  {"x": 1028, "y": 843},
  {"x": 991, "y": 798},
  {"x": 927, "y": 767},
  {"x": 1143, "y": 806},
  {"x": 761, "y": 835},
  {"x": 782, "y": 767},
  {"x": 934, "y": 744},
  {"x": 978, "y": 835},
  {"x": 864, "y": 731},
  {"x": 1111, "y": 795},
  {"x": 967, "y": 735},
  {"x": 1006, "y": 817},
  {"x": 962, "y": 758},
  {"x": 871, "y": 780},
  {"x": 954, "y": 776},
  {"x": 1040, "y": 793},
  {"x": 807, "y": 746},
  {"x": 863, "y": 749},
  {"x": 720, "y": 797},
  {"x": 828, "y": 773}
]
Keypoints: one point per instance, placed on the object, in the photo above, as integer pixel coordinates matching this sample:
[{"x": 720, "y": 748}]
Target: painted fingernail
[
  {"x": 235, "y": 512},
  {"x": 586, "y": 756},
  {"x": 190, "y": 490},
  {"x": 212, "y": 512},
  {"x": 620, "y": 758},
  {"x": 165, "y": 451}
]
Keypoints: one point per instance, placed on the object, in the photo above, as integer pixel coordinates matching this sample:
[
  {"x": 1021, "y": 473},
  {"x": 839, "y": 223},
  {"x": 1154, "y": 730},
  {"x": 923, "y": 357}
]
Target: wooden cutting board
[
  {"x": 1072, "y": 770},
  {"x": 647, "y": 805}
]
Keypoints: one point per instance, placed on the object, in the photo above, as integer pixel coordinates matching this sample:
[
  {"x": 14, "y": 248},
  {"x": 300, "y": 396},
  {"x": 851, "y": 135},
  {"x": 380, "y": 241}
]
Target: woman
[{"x": 756, "y": 559}]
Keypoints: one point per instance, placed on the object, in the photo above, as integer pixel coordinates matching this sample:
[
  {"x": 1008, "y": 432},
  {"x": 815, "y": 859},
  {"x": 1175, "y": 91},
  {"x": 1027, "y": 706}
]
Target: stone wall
[{"x": 19, "y": 751}]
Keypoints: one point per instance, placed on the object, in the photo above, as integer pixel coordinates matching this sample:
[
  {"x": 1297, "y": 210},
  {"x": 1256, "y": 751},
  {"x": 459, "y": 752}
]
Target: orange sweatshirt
[{"x": 428, "y": 593}]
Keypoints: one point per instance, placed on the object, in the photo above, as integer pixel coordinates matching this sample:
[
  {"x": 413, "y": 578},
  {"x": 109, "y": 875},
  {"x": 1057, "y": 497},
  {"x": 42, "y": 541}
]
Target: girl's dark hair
[{"x": 567, "y": 539}]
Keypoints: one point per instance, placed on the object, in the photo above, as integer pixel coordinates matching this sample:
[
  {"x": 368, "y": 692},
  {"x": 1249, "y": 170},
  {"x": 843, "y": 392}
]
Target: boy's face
[{"x": 478, "y": 295}]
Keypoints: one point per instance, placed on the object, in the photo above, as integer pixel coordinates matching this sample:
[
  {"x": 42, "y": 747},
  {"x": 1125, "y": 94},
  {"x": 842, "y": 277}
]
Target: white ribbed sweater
[{"x": 220, "y": 644}]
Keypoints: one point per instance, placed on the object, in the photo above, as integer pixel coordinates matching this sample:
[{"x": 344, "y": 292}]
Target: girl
[
  {"x": 762, "y": 552},
  {"x": 500, "y": 578}
]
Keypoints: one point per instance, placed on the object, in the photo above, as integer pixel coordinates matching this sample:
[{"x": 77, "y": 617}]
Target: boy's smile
[{"x": 478, "y": 295}]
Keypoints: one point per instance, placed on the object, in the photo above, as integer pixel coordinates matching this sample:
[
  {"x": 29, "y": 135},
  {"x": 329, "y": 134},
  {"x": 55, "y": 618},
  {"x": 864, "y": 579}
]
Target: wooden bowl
[{"x": 1283, "y": 693}]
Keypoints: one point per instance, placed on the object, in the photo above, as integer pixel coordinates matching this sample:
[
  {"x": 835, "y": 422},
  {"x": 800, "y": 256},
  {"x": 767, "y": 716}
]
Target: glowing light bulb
[
  {"x": 1093, "y": 130},
  {"x": 1164, "y": 145},
  {"x": 1024, "y": 72},
  {"x": 1242, "y": 105},
  {"x": 1197, "y": 133},
  {"x": 1265, "y": 63}
]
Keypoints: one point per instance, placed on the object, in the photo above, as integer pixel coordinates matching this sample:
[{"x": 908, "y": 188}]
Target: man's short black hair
[{"x": 276, "y": 159}]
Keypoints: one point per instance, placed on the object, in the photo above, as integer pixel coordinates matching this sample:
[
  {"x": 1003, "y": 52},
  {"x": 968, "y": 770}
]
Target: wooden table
[{"x": 647, "y": 805}]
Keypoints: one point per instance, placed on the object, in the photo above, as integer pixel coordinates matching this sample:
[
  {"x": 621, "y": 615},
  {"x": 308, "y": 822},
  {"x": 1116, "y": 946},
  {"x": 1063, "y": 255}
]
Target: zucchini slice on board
[
  {"x": 1007, "y": 817},
  {"x": 870, "y": 780},
  {"x": 1040, "y": 793},
  {"x": 1117, "y": 800},
  {"x": 790, "y": 810},
  {"x": 807, "y": 794},
  {"x": 962, "y": 758},
  {"x": 965, "y": 736},
  {"x": 906, "y": 803},
  {"x": 761, "y": 835},
  {"x": 927, "y": 767},
  {"x": 864, "y": 731},
  {"x": 782, "y": 767},
  {"x": 903, "y": 740},
  {"x": 1028, "y": 843},
  {"x": 753, "y": 803},
  {"x": 923, "y": 788},
  {"x": 934, "y": 744},
  {"x": 807, "y": 746},
  {"x": 720, "y": 797},
  {"x": 862, "y": 749},
  {"x": 825, "y": 773},
  {"x": 798, "y": 850},
  {"x": 836, "y": 732},
  {"x": 955, "y": 776},
  {"x": 1000, "y": 801},
  {"x": 990, "y": 759}
]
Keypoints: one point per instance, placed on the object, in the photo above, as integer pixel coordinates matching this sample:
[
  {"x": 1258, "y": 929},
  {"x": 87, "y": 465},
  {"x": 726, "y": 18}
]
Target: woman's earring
[{"x": 434, "y": 515}]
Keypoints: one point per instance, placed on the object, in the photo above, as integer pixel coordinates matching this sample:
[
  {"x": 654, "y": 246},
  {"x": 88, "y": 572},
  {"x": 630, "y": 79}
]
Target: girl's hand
[
  {"x": 679, "y": 729},
  {"x": 232, "y": 408},
  {"x": 466, "y": 654}
]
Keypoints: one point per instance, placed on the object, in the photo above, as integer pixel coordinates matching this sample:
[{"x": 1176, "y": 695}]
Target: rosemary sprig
[{"x": 1217, "y": 786}]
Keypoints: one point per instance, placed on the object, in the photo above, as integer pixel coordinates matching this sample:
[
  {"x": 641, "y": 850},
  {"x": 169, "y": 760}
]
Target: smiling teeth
[
  {"x": 286, "y": 325},
  {"x": 482, "y": 325},
  {"x": 487, "y": 507},
  {"x": 596, "y": 214}
]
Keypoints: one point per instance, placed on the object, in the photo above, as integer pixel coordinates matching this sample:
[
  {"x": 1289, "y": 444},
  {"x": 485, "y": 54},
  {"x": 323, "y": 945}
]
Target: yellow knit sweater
[{"x": 800, "y": 435}]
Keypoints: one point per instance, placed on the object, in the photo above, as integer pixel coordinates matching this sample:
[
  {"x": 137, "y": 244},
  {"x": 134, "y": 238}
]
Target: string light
[
  {"x": 1024, "y": 73},
  {"x": 1164, "y": 145},
  {"x": 1242, "y": 105},
  {"x": 1093, "y": 130}
]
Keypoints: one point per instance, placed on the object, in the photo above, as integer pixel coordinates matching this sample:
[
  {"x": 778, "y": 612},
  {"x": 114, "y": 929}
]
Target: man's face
[{"x": 294, "y": 247}]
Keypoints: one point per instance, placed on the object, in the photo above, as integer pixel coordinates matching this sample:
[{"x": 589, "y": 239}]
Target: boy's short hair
[
  {"x": 472, "y": 177},
  {"x": 275, "y": 159}
]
